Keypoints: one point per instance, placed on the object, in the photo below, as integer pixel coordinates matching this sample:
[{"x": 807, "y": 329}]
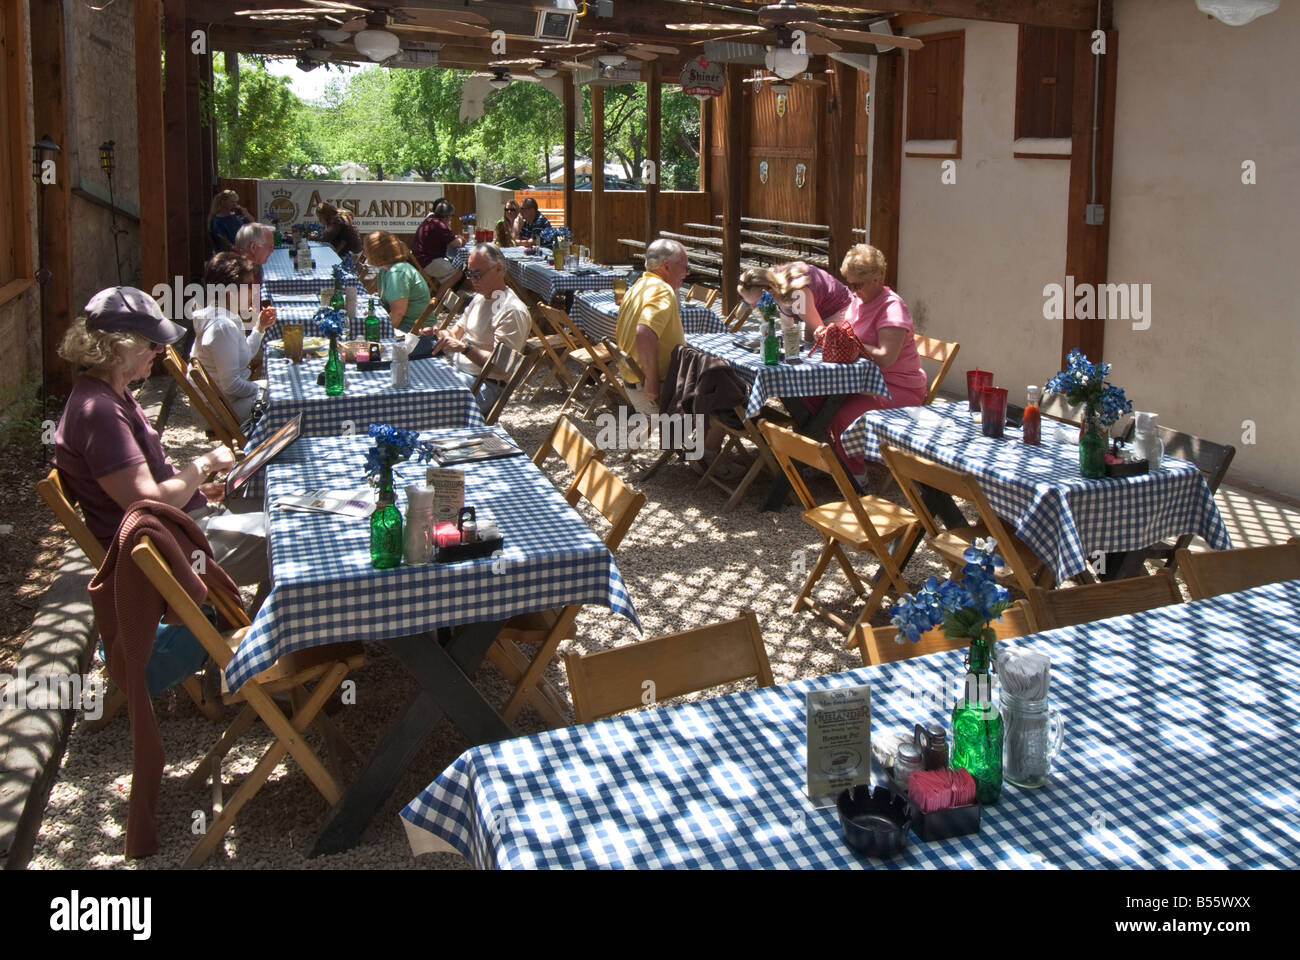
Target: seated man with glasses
[
  {"x": 495, "y": 315},
  {"x": 531, "y": 221}
]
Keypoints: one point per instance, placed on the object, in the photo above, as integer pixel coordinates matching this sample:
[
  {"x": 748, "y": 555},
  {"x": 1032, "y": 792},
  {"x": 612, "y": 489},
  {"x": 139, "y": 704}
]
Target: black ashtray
[
  {"x": 469, "y": 551},
  {"x": 942, "y": 824},
  {"x": 1127, "y": 468},
  {"x": 873, "y": 822},
  {"x": 374, "y": 364}
]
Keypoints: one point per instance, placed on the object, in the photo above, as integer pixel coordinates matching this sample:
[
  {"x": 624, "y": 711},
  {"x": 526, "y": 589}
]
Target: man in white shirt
[{"x": 495, "y": 315}]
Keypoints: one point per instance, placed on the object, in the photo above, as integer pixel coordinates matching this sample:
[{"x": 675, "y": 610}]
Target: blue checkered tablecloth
[
  {"x": 1062, "y": 516},
  {"x": 325, "y": 590},
  {"x": 280, "y": 279},
  {"x": 303, "y": 309},
  {"x": 595, "y": 312},
  {"x": 811, "y": 377},
  {"x": 1171, "y": 759},
  {"x": 439, "y": 396}
]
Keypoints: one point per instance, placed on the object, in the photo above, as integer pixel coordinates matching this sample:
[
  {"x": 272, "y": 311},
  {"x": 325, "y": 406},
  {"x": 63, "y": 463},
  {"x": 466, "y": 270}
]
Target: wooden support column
[
  {"x": 50, "y": 109},
  {"x": 200, "y": 193},
  {"x": 653, "y": 138},
  {"x": 570, "y": 122},
  {"x": 735, "y": 155},
  {"x": 824, "y": 165},
  {"x": 149, "y": 142},
  {"x": 887, "y": 158},
  {"x": 838, "y": 186},
  {"x": 175, "y": 126},
  {"x": 1086, "y": 247},
  {"x": 599, "y": 220},
  {"x": 706, "y": 142}
]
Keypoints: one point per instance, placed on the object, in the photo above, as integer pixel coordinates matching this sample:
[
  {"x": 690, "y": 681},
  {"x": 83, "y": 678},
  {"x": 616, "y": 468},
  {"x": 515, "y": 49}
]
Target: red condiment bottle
[{"x": 1032, "y": 427}]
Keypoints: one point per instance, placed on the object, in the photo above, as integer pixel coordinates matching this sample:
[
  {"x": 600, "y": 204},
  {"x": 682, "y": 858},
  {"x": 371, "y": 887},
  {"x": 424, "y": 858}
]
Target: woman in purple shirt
[
  {"x": 109, "y": 456},
  {"x": 802, "y": 292}
]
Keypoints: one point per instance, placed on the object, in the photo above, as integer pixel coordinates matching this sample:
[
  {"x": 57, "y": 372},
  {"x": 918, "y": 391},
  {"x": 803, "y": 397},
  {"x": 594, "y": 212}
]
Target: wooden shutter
[
  {"x": 934, "y": 89},
  {"x": 1044, "y": 83}
]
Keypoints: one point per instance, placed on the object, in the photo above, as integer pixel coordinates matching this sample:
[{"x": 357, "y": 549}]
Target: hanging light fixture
[
  {"x": 1237, "y": 13},
  {"x": 332, "y": 36},
  {"x": 780, "y": 87},
  {"x": 545, "y": 71},
  {"x": 106, "y": 156},
  {"x": 499, "y": 83},
  {"x": 612, "y": 59},
  {"x": 377, "y": 44},
  {"x": 107, "y": 164},
  {"x": 785, "y": 63}
]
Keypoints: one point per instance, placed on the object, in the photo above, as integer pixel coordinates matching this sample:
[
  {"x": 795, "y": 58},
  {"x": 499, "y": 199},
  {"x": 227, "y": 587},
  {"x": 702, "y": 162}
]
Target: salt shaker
[{"x": 906, "y": 762}]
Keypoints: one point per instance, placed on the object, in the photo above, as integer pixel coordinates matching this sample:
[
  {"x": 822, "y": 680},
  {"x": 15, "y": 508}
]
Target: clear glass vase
[
  {"x": 386, "y": 543},
  {"x": 977, "y": 727}
]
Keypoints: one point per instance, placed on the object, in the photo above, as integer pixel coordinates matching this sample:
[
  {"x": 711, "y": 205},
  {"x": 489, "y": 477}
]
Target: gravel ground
[{"x": 685, "y": 564}]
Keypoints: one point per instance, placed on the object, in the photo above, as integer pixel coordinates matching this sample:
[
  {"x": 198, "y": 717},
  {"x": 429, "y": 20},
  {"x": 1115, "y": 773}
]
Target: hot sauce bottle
[{"x": 1031, "y": 427}]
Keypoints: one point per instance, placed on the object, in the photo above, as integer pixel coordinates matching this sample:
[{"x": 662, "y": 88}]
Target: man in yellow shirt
[{"x": 649, "y": 324}]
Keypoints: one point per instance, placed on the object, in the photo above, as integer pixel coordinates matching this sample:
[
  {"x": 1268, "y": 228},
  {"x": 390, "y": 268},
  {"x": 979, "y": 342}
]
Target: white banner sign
[{"x": 396, "y": 206}]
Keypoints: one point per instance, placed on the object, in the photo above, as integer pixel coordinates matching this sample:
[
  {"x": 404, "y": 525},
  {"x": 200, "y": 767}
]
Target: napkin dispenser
[{"x": 462, "y": 540}]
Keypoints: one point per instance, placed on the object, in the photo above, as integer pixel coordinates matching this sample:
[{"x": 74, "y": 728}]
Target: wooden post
[
  {"x": 653, "y": 137},
  {"x": 886, "y": 158},
  {"x": 175, "y": 127},
  {"x": 1086, "y": 246},
  {"x": 570, "y": 121},
  {"x": 200, "y": 193},
  {"x": 149, "y": 140},
  {"x": 838, "y": 185},
  {"x": 706, "y": 143},
  {"x": 735, "y": 160},
  {"x": 598, "y": 218},
  {"x": 824, "y": 167},
  {"x": 50, "y": 108}
]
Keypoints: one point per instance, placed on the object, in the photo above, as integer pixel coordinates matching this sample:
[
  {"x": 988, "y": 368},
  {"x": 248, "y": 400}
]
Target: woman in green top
[{"x": 400, "y": 284}]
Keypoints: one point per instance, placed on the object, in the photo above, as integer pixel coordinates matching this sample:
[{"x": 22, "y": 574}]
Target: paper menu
[
  {"x": 839, "y": 742},
  {"x": 448, "y": 493}
]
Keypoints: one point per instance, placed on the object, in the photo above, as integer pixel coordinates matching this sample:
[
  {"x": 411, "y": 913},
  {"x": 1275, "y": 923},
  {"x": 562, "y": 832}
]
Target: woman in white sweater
[{"x": 233, "y": 286}]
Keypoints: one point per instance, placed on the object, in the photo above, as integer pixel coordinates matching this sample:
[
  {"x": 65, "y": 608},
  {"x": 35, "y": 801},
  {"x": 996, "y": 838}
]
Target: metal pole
[{"x": 112, "y": 213}]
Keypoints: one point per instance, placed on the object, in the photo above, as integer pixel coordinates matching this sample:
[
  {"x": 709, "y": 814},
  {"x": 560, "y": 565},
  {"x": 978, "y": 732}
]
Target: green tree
[{"x": 257, "y": 120}]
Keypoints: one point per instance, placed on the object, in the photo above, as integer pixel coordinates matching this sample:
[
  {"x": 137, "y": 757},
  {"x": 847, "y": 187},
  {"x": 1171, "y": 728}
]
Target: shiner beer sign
[{"x": 700, "y": 78}]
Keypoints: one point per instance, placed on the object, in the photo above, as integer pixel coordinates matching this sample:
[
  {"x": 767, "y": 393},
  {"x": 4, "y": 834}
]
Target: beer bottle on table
[
  {"x": 372, "y": 323},
  {"x": 336, "y": 301},
  {"x": 771, "y": 342}
]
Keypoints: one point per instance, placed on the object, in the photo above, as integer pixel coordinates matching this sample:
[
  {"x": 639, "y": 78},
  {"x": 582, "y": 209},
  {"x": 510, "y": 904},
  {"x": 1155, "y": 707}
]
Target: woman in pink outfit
[{"x": 882, "y": 322}]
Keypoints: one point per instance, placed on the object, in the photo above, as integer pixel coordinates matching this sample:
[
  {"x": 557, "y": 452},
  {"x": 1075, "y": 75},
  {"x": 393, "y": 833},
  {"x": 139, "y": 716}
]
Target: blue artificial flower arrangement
[
  {"x": 347, "y": 264},
  {"x": 394, "y": 446},
  {"x": 767, "y": 303},
  {"x": 548, "y": 236},
  {"x": 330, "y": 323},
  {"x": 1085, "y": 383},
  {"x": 965, "y": 607},
  {"x": 468, "y": 218}
]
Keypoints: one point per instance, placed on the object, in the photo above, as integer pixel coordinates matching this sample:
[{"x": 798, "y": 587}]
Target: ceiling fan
[
  {"x": 499, "y": 77},
  {"x": 779, "y": 84},
  {"x": 374, "y": 36},
  {"x": 542, "y": 65},
  {"x": 613, "y": 49}
]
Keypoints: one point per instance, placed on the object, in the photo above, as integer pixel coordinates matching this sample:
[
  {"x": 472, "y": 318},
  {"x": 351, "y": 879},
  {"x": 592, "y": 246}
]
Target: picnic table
[
  {"x": 302, "y": 309},
  {"x": 325, "y": 591},
  {"x": 280, "y": 278},
  {"x": 537, "y": 273},
  {"x": 1164, "y": 711},
  {"x": 596, "y": 313},
  {"x": 439, "y": 396},
  {"x": 1062, "y": 516}
]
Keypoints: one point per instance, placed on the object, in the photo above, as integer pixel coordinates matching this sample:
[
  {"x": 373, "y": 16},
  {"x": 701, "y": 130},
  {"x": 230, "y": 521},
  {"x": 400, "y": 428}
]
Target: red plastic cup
[
  {"x": 993, "y": 411},
  {"x": 976, "y": 380}
]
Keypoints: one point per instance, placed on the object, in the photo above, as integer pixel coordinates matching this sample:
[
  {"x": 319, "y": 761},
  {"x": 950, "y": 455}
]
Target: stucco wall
[
  {"x": 974, "y": 255},
  {"x": 1195, "y": 99}
]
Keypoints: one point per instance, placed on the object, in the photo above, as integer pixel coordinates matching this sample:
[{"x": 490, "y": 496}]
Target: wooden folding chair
[
  {"x": 866, "y": 524},
  {"x": 555, "y": 345},
  {"x": 594, "y": 358},
  {"x": 611, "y": 681},
  {"x": 619, "y": 504},
  {"x": 176, "y": 367},
  {"x": 702, "y": 294},
  {"x": 1228, "y": 571},
  {"x": 1021, "y": 566},
  {"x": 944, "y": 352},
  {"x": 574, "y": 448},
  {"x": 326, "y": 666},
  {"x": 217, "y": 403},
  {"x": 516, "y": 365},
  {"x": 52, "y": 492},
  {"x": 1049, "y": 609},
  {"x": 740, "y": 435},
  {"x": 1213, "y": 460},
  {"x": 737, "y": 317},
  {"x": 881, "y": 644}
]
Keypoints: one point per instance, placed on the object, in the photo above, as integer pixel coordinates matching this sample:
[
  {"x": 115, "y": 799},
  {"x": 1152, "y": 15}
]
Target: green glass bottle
[
  {"x": 771, "y": 342},
  {"x": 372, "y": 324},
  {"x": 1092, "y": 446},
  {"x": 334, "y": 370},
  {"x": 977, "y": 727},
  {"x": 386, "y": 525}
]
